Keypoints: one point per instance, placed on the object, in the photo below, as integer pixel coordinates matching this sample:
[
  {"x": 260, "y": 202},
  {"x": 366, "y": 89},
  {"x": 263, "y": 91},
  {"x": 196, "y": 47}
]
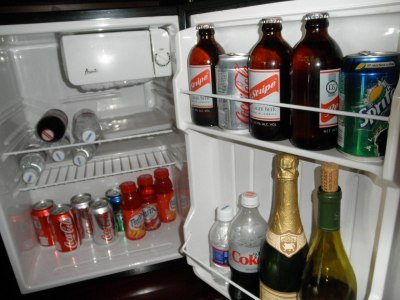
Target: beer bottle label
[
  {"x": 244, "y": 259},
  {"x": 264, "y": 86},
  {"x": 288, "y": 244},
  {"x": 328, "y": 96},
  {"x": 200, "y": 81},
  {"x": 267, "y": 293}
]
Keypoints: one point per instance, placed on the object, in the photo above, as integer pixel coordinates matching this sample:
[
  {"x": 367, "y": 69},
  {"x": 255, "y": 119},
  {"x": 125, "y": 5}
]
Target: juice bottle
[
  {"x": 165, "y": 195},
  {"x": 132, "y": 211},
  {"x": 149, "y": 202}
]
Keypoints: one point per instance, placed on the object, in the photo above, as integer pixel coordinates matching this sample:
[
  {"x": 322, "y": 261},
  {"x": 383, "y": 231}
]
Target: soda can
[
  {"x": 65, "y": 231},
  {"x": 114, "y": 197},
  {"x": 41, "y": 221},
  {"x": 233, "y": 79},
  {"x": 80, "y": 207},
  {"x": 104, "y": 231},
  {"x": 367, "y": 83}
]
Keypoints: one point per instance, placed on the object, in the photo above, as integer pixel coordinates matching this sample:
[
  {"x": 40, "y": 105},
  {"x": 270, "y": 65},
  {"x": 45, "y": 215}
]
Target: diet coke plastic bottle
[{"x": 245, "y": 237}]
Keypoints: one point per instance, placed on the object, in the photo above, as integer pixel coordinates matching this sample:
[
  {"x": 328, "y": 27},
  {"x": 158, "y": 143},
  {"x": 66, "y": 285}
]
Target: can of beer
[
  {"x": 41, "y": 221},
  {"x": 233, "y": 79},
  {"x": 80, "y": 207},
  {"x": 114, "y": 197},
  {"x": 367, "y": 83},
  {"x": 65, "y": 231},
  {"x": 104, "y": 232}
]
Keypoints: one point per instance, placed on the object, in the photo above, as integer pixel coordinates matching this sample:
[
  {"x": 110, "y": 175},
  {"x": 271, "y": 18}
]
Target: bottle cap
[
  {"x": 80, "y": 158},
  {"x": 128, "y": 187},
  {"x": 161, "y": 173},
  {"x": 58, "y": 155},
  {"x": 224, "y": 213},
  {"x": 249, "y": 199},
  {"x": 145, "y": 179},
  {"x": 30, "y": 175},
  {"x": 316, "y": 15},
  {"x": 47, "y": 135},
  {"x": 88, "y": 136},
  {"x": 205, "y": 26},
  {"x": 271, "y": 20}
]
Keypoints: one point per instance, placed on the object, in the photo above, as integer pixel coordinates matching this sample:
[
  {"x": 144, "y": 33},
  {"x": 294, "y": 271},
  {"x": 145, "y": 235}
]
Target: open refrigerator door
[
  {"x": 222, "y": 165},
  {"x": 39, "y": 70}
]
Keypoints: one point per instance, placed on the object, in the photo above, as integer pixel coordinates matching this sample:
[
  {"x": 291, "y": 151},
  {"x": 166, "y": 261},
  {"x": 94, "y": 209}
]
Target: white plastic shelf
[
  {"x": 58, "y": 174},
  {"x": 331, "y": 155}
]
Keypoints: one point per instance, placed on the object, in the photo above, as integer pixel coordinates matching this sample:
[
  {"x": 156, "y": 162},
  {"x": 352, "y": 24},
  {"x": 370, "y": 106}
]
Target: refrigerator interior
[
  {"x": 222, "y": 165},
  {"x": 139, "y": 135}
]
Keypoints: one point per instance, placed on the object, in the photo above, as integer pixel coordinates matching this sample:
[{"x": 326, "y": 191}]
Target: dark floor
[{"x": 171, "y": 280}]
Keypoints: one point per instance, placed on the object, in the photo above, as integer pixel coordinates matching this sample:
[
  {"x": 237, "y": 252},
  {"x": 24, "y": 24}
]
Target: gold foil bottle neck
[
  {"x": 286, "y": 166},
  {"x": 329, "y": 177}
]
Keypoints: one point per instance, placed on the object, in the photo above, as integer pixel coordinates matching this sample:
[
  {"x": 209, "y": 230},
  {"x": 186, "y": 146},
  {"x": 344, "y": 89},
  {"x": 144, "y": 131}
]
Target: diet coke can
[
  {"x": 80, "y": 207},
  {"x": 233, "y": 80},
  {"x": 104, "y": 231},
  {"x": 64, "y": 228},
  {"x": 41, "y": 221}
]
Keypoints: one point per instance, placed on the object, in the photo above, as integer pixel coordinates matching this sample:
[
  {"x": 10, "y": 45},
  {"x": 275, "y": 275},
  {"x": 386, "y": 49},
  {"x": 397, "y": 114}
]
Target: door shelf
[{"x": 65, "y": 173}]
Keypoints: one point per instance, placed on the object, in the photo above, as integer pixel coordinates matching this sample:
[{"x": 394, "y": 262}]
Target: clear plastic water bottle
[
  {"x": 61, "y": 153},
  {"x": 32, "y": 164},
  {"x": 218, "y": 240},
  {"x": 245, "y": 237},
  {"x": 85, "y": 126},
  {"x": 81, "y": 154}
]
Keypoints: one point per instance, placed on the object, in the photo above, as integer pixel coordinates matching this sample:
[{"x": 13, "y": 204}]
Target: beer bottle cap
[
  {"x": 224, "y": 213},
  {"x": 316, "y": 15},
  {"x": 249, "y": 199},
  {"x": 205, "y": 26},
  {"x": 271, "y": 20}
]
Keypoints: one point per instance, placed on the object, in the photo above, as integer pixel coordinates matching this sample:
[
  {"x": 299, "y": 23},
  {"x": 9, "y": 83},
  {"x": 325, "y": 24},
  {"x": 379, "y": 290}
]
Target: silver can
[
  {"x": 104, "y": 231},
  {"x": 233, "y": 79},
  {"x": 80, "y": 208}
]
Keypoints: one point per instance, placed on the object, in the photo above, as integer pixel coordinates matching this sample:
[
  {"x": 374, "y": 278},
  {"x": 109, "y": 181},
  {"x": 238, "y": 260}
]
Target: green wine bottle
[
  {"x": 283, "y": 254},
  {"x": 328, "y": 273}
]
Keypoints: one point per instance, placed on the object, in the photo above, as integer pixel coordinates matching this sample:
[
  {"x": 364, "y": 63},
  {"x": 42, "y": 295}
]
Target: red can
[
  {"x": 41, "y": 221},
  {"x": 65, "y": 231}
]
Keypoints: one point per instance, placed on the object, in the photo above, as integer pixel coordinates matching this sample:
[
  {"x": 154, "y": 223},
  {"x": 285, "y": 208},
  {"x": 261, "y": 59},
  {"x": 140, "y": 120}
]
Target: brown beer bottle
[
  {"x": 316, "y": 63},
  {"x": 269, "y": 80},
  {"x": 202, "y": 61}
]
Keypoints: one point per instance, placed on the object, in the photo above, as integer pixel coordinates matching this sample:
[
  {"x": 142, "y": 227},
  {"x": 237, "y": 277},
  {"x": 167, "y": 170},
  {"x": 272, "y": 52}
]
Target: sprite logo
[{"x": 377, "y": 101}]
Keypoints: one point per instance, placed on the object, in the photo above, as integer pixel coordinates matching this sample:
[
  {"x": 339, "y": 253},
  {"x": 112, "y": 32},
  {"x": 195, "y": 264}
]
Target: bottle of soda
[
  {"x": 81, "y": 154},
  {"x": 245, "y": 236},
  {"x": 132, "y": 211},
  {"x": 85, "y": 126},
  {"x": 52, "y": 125},
  {"x": 149, "y": 202},
  {"x": 316, "y": 63},
  {"x": 202, "y": 61},
  {"x": 165, "y": 195},
  {"x": 269, "y": 80},
  {"x": 218, "y": 240}
]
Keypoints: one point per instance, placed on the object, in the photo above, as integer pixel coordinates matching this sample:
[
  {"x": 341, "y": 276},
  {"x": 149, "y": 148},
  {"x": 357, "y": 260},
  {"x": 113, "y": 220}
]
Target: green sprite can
[
  {"x": 114, "y": 197},
  {"x": 366, "y": 86}
]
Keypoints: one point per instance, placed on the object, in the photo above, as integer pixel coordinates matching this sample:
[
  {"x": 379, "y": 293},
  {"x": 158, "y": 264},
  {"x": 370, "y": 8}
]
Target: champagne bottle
[
  {"x": 328, "y": 273},
  {"x": 283, "y": 254}
]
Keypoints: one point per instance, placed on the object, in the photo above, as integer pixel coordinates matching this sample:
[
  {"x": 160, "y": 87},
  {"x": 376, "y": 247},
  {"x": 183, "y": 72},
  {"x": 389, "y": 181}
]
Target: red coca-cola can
[
  {"x": 65, "y": 231},
  {"x": 41, "y": 221}
]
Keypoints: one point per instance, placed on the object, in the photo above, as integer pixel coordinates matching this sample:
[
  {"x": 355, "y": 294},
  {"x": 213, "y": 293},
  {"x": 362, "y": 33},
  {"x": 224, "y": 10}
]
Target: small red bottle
[
  {"x": 149, "y": 202},
  {"x": 132, "y": 211},
  {"x": 165, "y": 195}
]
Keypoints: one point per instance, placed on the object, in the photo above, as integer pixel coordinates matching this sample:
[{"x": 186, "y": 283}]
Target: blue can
[
  {"x": 367, "y": 83},
  {"x": 114, "y": 197}
]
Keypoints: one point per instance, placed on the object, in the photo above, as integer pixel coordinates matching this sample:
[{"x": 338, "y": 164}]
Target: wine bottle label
[
  {"x": 264, "y": 86},
  {"x": 288, "y": 244},
  {"x": 200, "y": 81},
  {"x": 267, "y": 293},
  {"x": 328, "y": 96},
  {"x": 244, "y": 259}
]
